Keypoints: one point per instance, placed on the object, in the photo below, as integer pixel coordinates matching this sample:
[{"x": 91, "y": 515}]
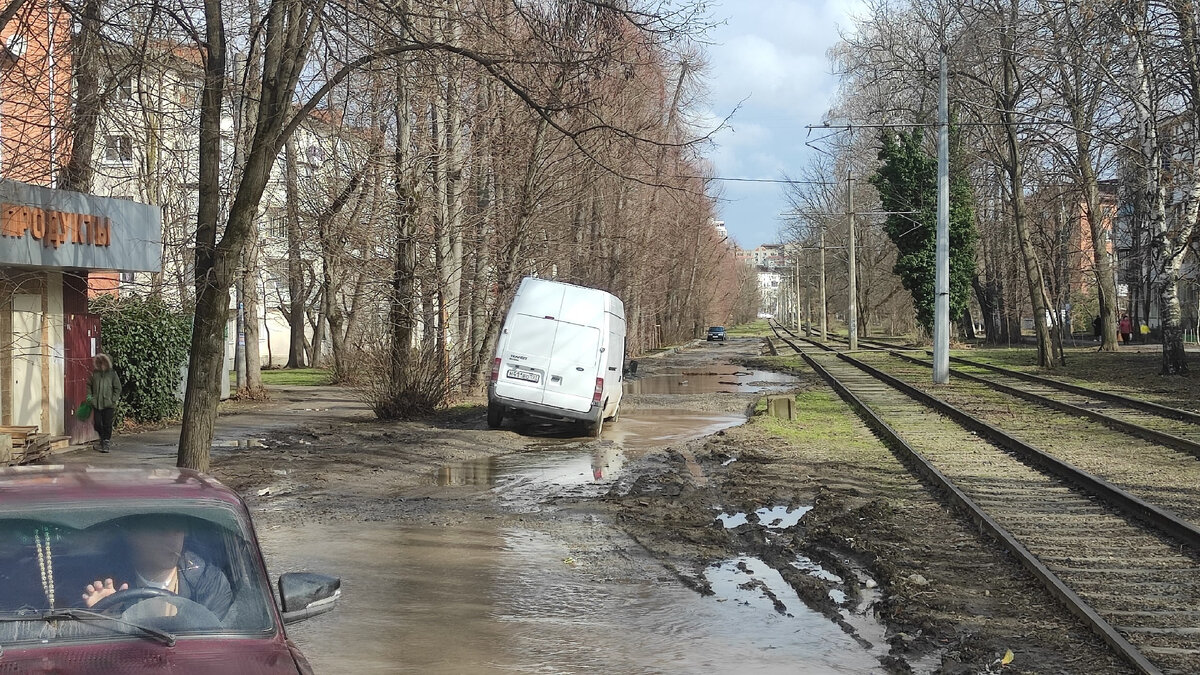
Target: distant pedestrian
[
  {"x": 1096, "y": 327},
  {"x": 1126, "y": 329},
  {"x": 103, "y": 393}
]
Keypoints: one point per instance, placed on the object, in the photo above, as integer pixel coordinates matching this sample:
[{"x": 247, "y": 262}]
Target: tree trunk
[
  {"x": 402, "y": 315},
  {"x": 250, "y": 303},
  {"x": 213, "y": 279},
  {"x": 510, "y": 263},
  {"x": 1014, "y": 168},
  {"x": 295, "y": 266},
  {"x": 77, "y": 175},
  {"x": 288, "y": 36}
]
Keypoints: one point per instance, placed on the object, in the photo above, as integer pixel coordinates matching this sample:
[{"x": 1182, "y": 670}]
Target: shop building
[{"x": 51, "y": 242}]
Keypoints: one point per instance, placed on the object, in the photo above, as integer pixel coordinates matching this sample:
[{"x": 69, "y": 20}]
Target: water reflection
[
  {"x": 480, "y": 599},
  {"x": 557, "y": 467},
  {"x": 733, "y": 382}
]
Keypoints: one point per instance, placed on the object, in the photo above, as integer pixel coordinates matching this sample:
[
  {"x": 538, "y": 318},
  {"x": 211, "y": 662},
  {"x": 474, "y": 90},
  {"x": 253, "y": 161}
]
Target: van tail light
[
  {"x": 599, "y": 390},
  {"x": 495, "y": 369}
]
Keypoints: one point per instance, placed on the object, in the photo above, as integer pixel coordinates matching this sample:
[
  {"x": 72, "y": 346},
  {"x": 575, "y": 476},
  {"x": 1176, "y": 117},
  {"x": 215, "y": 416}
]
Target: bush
[
  {"x": 424, "y": 390},
  {"x": 148, "y": 343}
]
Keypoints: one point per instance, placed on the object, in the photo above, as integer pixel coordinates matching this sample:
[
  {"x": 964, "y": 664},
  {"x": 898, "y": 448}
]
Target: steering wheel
[{"x": 130, "y": 596}]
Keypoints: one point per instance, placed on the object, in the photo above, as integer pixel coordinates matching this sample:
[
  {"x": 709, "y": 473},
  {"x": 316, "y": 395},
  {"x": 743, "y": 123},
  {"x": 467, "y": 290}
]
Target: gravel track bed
[
  {"x": 1162, "y": 476},
  {"x": 1072, "y": 531}
]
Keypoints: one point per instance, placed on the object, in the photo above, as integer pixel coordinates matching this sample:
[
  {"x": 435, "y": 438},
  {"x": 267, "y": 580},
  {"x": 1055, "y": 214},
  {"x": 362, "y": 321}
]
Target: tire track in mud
[{"x": 871, "y": 524}]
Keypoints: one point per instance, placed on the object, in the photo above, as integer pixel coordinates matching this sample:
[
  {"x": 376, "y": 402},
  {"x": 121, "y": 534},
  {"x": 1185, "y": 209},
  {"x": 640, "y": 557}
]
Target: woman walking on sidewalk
[
  {"x": 1125, "y": 327},
  {"x": 103, "y": 392}
]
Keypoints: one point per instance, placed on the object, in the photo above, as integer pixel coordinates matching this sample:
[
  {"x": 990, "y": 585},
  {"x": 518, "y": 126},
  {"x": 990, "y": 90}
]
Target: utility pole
[
  {"x": 852, "y": 309},
  {"x": 941, "y": 300},
  {"x": 824, "y": 308},
  {"x": 239, "y": 349},
  {"x": 807, "y": 307},
  {"x": 796, "y": 285}
]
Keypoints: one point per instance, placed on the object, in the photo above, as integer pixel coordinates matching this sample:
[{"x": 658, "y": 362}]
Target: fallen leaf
[{"x": 1008, "y": 657}]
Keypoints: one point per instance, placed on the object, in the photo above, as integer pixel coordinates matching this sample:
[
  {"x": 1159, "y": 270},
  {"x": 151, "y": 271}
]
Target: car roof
[{"x": 57, "y": 482}]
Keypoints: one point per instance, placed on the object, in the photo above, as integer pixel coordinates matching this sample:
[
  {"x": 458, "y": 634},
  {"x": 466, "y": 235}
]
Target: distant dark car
[
  {"x": 716, "y": 333},
  {"x": 208, "y": 610}
]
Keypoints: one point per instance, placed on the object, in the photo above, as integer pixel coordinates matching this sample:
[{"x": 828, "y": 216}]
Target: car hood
[{"x": 129, "y": 657}]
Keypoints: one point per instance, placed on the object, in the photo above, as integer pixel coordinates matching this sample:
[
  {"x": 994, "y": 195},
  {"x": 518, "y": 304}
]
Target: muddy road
[{"x": 684, "y": 540}]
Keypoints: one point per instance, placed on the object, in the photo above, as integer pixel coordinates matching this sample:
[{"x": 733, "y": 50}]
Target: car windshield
[
  {"x": 181, "y": 568},
  {"x": 717, "y": 329}
]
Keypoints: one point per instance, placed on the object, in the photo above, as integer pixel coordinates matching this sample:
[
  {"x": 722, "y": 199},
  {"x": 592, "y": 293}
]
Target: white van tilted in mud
[{"x": 560, "y": 355}]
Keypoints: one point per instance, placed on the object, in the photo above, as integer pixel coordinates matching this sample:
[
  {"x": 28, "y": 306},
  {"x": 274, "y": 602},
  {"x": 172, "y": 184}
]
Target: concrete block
[{"x": 781, "y": 407}]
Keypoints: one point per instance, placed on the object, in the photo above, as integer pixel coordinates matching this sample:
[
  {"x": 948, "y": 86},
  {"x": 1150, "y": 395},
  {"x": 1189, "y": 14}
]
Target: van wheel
[
  {"x": 495, "y": 415},
  {"x": 594, "y": 430}
]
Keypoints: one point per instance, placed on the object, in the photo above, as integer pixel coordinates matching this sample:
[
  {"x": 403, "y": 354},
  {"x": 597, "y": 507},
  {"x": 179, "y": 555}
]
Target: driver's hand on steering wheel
[{"x": 97, "y": 591}]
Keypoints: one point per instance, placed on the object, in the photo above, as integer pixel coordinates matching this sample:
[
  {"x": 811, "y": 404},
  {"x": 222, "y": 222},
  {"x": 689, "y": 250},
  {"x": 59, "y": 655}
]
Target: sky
[{"x": 769, "y": 56}]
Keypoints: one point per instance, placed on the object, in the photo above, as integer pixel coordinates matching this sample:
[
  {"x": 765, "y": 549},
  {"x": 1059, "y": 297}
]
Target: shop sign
[{"x": 54, "y": 228}]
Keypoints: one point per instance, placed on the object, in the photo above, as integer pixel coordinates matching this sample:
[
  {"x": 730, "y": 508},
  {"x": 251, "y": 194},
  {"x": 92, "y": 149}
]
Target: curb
[{"x": 671, "y": 350}]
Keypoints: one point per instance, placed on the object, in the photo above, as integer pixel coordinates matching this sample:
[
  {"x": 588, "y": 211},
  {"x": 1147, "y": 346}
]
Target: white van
[{"x": 560, "y": 356}]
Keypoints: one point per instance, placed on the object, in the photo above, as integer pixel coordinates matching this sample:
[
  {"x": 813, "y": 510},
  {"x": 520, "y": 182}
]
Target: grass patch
[
  {"x": 297, "y": 377},
  {"x": 757, "y": 328},
  {"x": 822, "y": 420},
  {"x": 1123, "y": 372}
]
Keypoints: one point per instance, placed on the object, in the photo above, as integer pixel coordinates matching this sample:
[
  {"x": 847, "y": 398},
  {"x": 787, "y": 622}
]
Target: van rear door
[
  {"x": 574, "y": 364},
  {"x": 525, "y": 358}
]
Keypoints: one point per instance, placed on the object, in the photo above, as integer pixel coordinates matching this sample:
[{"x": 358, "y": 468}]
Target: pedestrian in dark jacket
[{"x": 103, "y": 392}]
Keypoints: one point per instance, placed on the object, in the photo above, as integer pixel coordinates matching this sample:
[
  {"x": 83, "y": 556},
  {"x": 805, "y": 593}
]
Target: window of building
[
  {"x": 123, "y": 89},
  {"x": 118, "y": 149},
  {"x": 277, "y": 225}
]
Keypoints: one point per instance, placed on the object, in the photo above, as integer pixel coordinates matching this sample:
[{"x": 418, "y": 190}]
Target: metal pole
[
  {"x": 807, "y": 307},
  {"x": 824, "y": 307},
  {"x": 796, "y": 286},
  {"x": 852, "y": 310},
  {"x": 941, "y": 306},
  {"x": 239, "y": 349}
]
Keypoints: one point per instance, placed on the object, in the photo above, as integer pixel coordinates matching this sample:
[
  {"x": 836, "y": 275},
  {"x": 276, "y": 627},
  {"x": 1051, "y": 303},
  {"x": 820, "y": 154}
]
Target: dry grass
[{"x": 1124, "y": 372}]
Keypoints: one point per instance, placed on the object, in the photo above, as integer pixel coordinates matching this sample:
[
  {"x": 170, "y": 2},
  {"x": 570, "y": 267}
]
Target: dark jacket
[
  {"x": 104, "y": 387},
  {"x": 205, "y": 584},
  {"x": 198, "y": 581}
]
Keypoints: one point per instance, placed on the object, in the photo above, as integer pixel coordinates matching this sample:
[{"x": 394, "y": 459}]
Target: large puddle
[
  {"x": 559, "y": 464},
  {"x": 478, "y": 600},
  {"x": 730, "y": 381}
]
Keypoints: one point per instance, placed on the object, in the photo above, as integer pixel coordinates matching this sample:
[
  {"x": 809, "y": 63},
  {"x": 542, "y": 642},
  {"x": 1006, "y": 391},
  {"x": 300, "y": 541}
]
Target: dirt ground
[{"x": 676, "y": 496}]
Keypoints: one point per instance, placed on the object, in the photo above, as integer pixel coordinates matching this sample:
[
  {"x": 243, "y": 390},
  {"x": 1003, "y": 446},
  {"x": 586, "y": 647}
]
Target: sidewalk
[{"x": 290, "y": 407}]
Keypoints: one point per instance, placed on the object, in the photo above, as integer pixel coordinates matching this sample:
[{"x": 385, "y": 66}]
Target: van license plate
[{"x": 524, "y": 375}]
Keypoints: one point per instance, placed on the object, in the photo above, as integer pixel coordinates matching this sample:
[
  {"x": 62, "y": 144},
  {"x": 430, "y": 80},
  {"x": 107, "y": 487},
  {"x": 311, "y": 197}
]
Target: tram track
[
  {"x": 1171, "y": 427},
  {"x": 1125, "y": 566}
]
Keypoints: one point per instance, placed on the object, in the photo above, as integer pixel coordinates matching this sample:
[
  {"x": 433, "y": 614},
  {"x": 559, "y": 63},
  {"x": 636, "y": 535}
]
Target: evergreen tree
[{"x": 907, "y": 182}]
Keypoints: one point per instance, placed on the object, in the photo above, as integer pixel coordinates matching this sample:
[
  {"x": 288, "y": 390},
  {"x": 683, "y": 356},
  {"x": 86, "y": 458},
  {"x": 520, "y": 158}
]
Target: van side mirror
[
  {"x": 631, "y": 369},
  {"x": 304, "y": 595}
]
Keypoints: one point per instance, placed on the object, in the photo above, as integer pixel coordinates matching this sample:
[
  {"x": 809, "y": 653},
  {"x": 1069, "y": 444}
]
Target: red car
[{"x": 138, "y": 571}]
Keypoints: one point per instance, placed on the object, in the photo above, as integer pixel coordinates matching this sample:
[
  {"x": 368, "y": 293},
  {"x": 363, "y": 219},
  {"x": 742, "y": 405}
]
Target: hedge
[{"x": 148, "y": 342}]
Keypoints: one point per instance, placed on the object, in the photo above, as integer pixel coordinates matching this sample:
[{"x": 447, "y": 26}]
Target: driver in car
[{"x": 157, "y": 559}]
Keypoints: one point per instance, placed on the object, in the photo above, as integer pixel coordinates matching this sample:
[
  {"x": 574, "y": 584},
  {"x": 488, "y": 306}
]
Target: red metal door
[{"x": 81, "y": 341}]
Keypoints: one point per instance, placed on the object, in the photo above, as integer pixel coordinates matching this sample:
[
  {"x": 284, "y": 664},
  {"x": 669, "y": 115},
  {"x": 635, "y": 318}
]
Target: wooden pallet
[
  {"x": 19, "y": 434},
  {"x": 22, "y": 445}
]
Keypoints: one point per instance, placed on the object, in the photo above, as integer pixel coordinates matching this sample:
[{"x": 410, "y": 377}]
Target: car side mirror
[{"x": 304, "y": 595}]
